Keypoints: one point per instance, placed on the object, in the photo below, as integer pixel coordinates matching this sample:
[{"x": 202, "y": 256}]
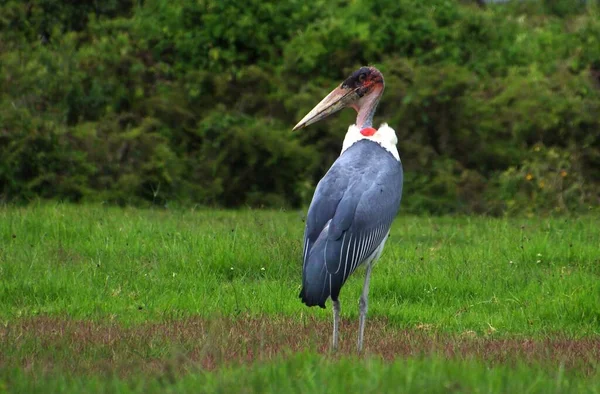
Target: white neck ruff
[{"x": 384, "y": 136}]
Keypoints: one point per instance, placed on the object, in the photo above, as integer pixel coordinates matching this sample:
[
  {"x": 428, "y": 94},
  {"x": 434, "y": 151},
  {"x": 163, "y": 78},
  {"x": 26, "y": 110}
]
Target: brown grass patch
[{"x": 49, "y": 343}]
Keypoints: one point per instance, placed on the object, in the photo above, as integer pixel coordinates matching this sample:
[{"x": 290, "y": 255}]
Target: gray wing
[{"x": 350, "y": 215}]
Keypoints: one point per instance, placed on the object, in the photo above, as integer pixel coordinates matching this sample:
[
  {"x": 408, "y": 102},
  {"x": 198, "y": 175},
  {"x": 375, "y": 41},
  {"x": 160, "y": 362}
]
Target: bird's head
[{"x": 360, "y": 91}]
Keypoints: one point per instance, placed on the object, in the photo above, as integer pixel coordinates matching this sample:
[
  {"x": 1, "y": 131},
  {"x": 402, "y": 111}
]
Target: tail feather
[
  {"x": 317, "y": 283},
  {"x": 315, "y": 286}
]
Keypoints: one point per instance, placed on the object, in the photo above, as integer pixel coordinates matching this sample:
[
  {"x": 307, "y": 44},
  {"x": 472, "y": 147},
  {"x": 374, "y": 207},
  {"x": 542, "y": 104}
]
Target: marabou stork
[{"x": 355, "y": 203}]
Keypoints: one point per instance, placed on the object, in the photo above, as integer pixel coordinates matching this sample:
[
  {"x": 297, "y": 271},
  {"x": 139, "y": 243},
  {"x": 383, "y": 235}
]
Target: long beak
[{"x": 333, "y": 102}]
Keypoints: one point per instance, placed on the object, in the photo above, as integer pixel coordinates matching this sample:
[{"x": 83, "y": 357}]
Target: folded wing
[{"x": 350, "y": 216}]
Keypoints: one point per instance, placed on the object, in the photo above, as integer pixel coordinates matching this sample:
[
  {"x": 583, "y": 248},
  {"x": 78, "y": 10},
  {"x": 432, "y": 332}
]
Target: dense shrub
[
  {"x": 192, "y": 101},
  {"x": 39, "y": 158}
]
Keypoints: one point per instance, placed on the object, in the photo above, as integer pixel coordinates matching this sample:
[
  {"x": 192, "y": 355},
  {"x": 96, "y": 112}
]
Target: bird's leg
[
  {"x": 363, "y": 305},
  {"x": 336, "y": 323}
]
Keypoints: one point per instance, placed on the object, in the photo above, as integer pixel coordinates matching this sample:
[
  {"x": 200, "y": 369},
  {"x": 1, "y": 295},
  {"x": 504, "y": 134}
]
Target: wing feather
[{"x": 351, "y": 213}]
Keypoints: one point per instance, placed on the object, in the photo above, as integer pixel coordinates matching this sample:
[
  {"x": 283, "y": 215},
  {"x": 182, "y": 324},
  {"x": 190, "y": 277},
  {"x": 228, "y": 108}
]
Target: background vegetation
[{"x": 192, "y": 101}]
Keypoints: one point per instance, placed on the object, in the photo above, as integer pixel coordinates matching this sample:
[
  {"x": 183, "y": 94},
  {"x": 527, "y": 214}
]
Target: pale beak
[{"x": 336, "y": 100}]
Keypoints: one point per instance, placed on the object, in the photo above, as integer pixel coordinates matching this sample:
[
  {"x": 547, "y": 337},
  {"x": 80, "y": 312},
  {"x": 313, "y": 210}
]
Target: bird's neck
[{"x": 366, "y": 108}]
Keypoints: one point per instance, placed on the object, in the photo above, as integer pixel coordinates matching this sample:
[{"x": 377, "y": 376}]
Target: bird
[{"x": 354, "y": 204}]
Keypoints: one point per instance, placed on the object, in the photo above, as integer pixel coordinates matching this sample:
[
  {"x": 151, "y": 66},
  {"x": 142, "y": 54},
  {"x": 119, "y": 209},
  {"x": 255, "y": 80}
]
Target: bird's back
[{"x": 352, "y": 210}]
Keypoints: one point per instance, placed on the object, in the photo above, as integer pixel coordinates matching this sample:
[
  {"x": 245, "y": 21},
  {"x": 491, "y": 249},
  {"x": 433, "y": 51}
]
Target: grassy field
[{"x": 95, "y": 298}]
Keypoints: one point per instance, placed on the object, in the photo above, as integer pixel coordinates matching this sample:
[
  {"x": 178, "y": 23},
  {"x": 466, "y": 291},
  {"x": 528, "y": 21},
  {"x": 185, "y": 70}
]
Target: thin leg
[
  {"x": 336, "y": 322},
  {"x": 363, "y": 304}
]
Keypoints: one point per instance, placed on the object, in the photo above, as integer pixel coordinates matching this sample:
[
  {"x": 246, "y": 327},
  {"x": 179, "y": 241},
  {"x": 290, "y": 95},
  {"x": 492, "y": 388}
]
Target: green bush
[
  {"x": 193, "y": 101},
  {"x": 239, "y": 158},
  {"x": 40, "y": 159},
  {"x": 550, "y": 179}
]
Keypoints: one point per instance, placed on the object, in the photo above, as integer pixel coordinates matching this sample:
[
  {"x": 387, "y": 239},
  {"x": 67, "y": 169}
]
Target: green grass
[
  {"x": 481, "y": 278},
  {"x": 308, "y": 373},
  {"x": 522, "y": 276}
]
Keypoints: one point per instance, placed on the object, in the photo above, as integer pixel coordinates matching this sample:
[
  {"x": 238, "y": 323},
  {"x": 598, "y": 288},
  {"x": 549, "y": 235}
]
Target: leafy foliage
[{"x": 192, "y": 102}]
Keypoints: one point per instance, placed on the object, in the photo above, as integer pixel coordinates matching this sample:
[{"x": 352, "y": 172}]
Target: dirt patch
[{"x": 48, "y": 343}]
